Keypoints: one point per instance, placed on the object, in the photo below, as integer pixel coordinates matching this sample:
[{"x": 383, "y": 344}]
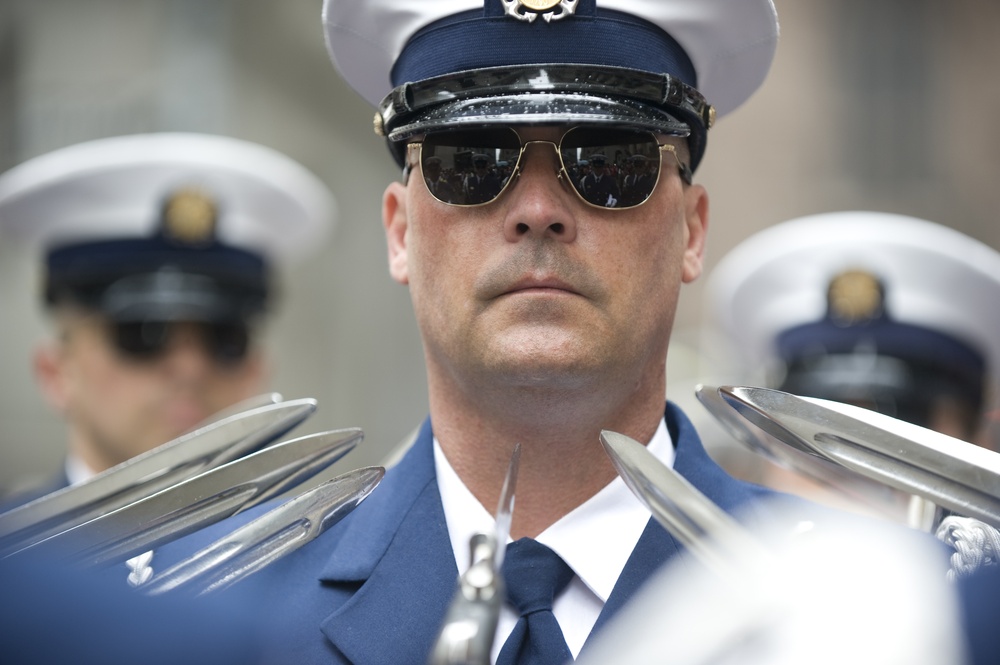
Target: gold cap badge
[
  {"x": 189, "y": 217},
  {"x": 855, "y": 296},
  {"x": 529, "y": 10}
]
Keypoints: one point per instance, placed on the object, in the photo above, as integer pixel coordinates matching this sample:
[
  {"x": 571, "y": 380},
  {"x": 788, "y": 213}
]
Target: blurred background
[{"x": 887, "y": 105}]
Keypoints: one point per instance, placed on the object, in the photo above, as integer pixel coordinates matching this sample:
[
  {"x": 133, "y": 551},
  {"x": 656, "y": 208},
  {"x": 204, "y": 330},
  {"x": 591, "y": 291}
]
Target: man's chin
[
  {"x": 181, "y": 418},
  {"x": 540, "y": 368}
]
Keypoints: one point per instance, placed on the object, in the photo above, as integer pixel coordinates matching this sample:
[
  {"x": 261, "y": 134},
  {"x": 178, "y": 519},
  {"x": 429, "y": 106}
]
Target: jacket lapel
[
  {"x": 397, "y": 551},
  {"x": 401, "y": 555},
  {"x": 656, "y": 546}
]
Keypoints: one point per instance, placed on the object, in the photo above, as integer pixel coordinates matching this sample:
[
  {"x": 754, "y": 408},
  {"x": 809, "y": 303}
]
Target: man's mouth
[{"x": 540, "y": 285}]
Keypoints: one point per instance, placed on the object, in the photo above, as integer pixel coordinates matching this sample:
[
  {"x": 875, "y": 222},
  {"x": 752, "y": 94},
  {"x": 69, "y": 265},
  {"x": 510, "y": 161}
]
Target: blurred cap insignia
[
  {"x": 189, "y": 217},
  {"x": 529, "y": 10},
  {"x": 855, "y": 296}
]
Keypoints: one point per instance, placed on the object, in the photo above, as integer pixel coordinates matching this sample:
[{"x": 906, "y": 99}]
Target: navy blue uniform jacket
[
  {"x": 57, "y": 482},
  {"x": 374, "y": 588}
]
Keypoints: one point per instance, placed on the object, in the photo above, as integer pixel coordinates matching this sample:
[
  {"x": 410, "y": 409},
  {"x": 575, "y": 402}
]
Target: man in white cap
[
  {"x": 545, "y": 318},
  {"x": 159, "y": 252},
  {"x": 873, "y": 309}
]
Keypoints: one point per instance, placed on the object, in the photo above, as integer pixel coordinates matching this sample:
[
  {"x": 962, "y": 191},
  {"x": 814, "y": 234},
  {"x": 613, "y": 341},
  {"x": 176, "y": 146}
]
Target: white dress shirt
[
  {"x": 595, "y": 540},
  {"x": 77, "y": 470}
]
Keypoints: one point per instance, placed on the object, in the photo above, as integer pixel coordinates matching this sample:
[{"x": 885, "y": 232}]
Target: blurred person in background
[
  {"x": 159, "y": 256},
  {"x": 878, "y": 310}
]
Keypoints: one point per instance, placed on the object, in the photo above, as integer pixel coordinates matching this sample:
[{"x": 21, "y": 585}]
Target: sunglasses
[
  {"x": 576, "y": 149},
  {"x": 225, "y": 343}
]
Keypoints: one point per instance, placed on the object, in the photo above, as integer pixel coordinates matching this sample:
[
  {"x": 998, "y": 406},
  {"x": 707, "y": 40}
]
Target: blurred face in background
[{"x": 124, "y": 389}]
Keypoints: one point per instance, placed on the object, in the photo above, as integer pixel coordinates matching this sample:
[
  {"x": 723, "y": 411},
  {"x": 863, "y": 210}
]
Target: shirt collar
[
  {"x": 613, "y": 512},
  {"x": 77, "y": 470}
]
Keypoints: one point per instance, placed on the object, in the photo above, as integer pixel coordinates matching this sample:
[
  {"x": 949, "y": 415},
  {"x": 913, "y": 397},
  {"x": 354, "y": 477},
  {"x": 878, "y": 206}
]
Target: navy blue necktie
[{"x": 534, "y": 576}]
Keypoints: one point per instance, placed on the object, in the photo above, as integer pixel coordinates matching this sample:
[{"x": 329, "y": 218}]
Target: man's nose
[
  {"x": 540, "y": 201},
  {"x": 187, "y": 355}
]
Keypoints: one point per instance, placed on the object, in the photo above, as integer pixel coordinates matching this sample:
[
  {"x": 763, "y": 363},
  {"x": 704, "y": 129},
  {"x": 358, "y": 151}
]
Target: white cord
[
  {"x": 140, "y": 570},
  {"x": 976, "y": 545}
]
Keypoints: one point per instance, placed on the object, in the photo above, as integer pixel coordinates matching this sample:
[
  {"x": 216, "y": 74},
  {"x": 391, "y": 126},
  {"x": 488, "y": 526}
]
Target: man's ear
[
  {"x": 395, "y": 221},
  {"x": 696, "y": 227},
  {"x": 49, "y": 365}
]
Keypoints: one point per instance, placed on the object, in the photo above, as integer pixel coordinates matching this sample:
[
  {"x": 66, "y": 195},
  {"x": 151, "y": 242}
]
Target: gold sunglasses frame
[{"x": 414, "y": 152}]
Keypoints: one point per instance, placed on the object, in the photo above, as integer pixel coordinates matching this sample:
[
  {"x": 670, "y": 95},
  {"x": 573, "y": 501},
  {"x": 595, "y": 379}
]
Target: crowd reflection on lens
[{"x": 618, "y": 175}]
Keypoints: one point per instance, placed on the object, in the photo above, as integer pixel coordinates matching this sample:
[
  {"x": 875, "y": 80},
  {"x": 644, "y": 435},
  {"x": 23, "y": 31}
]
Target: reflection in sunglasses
[{"x": 598, "y": 163}]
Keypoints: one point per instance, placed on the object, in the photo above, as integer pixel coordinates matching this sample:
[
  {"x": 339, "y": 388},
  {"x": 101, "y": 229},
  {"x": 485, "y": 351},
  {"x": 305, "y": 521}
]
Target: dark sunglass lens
[
  {"x": 141, "y": 340},
  {"x": 227, "y": 343},
  {"x": 450, "y": 161},
  {"x": 611, "y": 168}
]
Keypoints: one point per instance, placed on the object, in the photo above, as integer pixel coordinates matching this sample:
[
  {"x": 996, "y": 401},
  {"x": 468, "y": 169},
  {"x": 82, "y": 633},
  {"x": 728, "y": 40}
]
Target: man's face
[
  {"x": 118, "y": 406},
  {"x": 537, "y": 289}
]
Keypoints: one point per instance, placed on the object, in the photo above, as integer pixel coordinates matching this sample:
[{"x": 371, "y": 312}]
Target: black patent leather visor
[{"x": 545, "y": 94}]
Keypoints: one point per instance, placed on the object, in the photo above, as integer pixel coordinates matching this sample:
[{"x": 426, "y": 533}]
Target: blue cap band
[
  {"x": 111, "y": 259},
  {"x": 885, "y": 337},
  {"x": 84, "y": 272},
  {"x": 474, "y": 40}
]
